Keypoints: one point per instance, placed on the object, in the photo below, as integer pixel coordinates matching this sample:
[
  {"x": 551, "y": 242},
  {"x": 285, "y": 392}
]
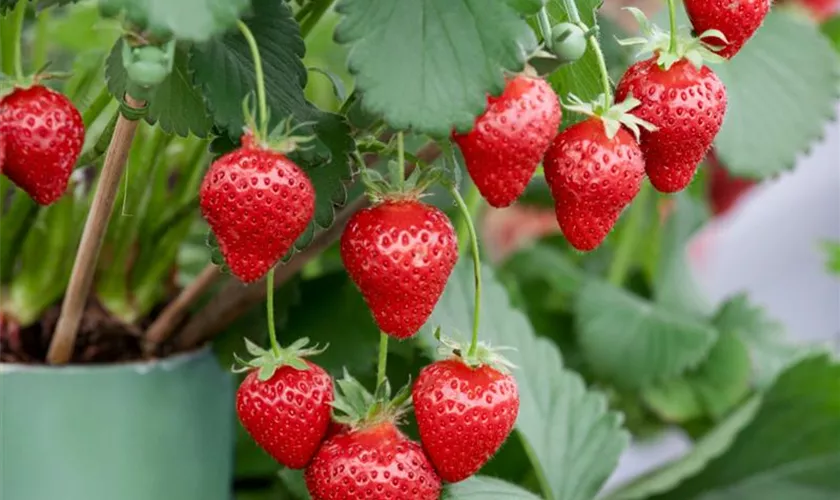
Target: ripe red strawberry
[
  {"x": 44, "y": 134},
  {"x": 687, "y": 105},
  {"x": 738, "y": 20},
  {"x": 288, "y": 415},
  {"x": 257, "y": 202},
  {"x": 400, "y": 254},
  {"x": 508, "y": 141},
  {"x": 375, "y": 462},
  {"x": 464, "y": 415},
  {"x": 592, "y": 178}
]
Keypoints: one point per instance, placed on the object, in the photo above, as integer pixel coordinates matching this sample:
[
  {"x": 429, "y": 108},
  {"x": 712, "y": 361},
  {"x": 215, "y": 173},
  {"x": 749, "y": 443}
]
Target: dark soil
[{"x": 101, "y": 338}]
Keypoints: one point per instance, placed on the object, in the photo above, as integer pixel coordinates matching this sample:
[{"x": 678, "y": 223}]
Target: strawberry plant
[{"x": 308, "y": 187}]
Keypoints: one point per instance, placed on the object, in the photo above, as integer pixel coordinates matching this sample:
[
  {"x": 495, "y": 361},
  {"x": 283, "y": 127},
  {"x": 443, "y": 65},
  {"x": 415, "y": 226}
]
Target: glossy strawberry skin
[
  {"x": 508, "y": 141},
  {"x": 288, "y": 415},
  {"x": 372, "y": 463},
  {"x": 464, "y": 415},
  {"x": 687, "y": 105},
  {"x": 257, "y": 203},
  {"x": 738, "y": 20},
  {"x": 400, "y": 254},
  {"x": 592, "y": 179},
  {"x": 44, "y": 135}
]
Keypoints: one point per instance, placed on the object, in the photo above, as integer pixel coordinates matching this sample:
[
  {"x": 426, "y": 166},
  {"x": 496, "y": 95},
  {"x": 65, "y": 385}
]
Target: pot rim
[{"x": 140, "y": 367}]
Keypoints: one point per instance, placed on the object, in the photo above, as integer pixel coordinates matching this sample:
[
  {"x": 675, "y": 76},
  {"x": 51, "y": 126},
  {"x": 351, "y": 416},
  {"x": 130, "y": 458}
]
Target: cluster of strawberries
[
  {"x": 400, "y": 253},
  {"x": 41, "y": 138},
  {"x": 595, "y": 168}
]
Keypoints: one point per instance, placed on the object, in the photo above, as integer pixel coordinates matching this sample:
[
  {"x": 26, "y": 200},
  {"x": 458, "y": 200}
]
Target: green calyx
[
  {"x": 267, "y": 361},
  {"x": 484, "y": 354},
  {"x": 284, "y": 142},
  {"x": 359, "y": 408},
  {"x": 379, "y": 188},
  {"x": 612, "y": 115},
  {"x": 657, "y": 41}
]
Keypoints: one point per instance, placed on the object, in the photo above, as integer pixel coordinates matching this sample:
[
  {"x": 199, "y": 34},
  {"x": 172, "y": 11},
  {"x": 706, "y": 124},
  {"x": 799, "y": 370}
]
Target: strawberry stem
[
  {"x": 18, "y": 14},
  {"x": 602, "y": 65},
  {"x": 258, "y": 73},
  {"x": 400, "y": 180},
  {"x": 465, "y": 213},
  {"x": 574, "y": 17},
  {"x": 317, "y": 12},
  {"x": 383, "y": 359},
  {"x": 622, "y": 258},
  {"x": 473, "y": 202},
  {"x": 672, "y": 16},
  {"x": 269, "y": 309}
]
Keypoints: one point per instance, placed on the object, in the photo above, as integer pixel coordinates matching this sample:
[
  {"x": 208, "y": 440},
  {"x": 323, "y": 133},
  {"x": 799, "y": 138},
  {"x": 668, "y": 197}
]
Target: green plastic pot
[{"x": 159, "y": 430}]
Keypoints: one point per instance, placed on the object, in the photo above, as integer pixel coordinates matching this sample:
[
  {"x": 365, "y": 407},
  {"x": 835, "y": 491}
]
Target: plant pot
[{"x": 159, "y": 430}]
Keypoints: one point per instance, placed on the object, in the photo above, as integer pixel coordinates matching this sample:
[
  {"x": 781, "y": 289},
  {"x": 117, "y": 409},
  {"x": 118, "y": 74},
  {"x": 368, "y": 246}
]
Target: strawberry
[
  {"x": 687, "y": 105},
  {"x": 724, "y": 189},
  {"x": 507, "y": 142},
  {"x": 400, "y": 254},
  {"x": 372, "y": 462},
  {"x": 257, "y": 203},
  {"x": 592, "y": 178},
  {"x": 284, "y": 403},
  {"x": 464, "y": 414},
  {"x": 44, "y": 134},
  {"x": 738, "y": 20}
]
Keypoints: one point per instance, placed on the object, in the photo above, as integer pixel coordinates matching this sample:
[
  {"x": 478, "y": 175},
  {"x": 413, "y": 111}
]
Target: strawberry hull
[{"x": 129, "y": 431}]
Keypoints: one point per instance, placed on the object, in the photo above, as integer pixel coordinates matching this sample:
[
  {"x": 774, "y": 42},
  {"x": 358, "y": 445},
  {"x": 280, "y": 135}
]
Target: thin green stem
[
  {"x": 94, "y": 111},
  {"x": 572, "y": 10},
  {"x": 269, "y": 309},
  {"x": 602, "y": 66},
  {"x": 623, "y": 257},
  {"x": 304, "y": 11},
  {"x": 262, "y": 101},
  {"x": 314, "y": 17},
  {"x": 473, "y": 202},
  {"x": 19, "y": 15},
  {"x": 383, "y": 358},
  {"x": 545, "y": 26},
  {"x": 41, "y": 43},
  {"x": 465, "y": 213},
  {"x": 400, "y": 180},
  {"x": 672, "y": 16},
  {"x": 545, "y": 486}
]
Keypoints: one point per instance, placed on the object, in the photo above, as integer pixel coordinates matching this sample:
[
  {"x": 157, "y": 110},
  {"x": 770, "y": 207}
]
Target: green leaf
[
  {"x": 582, "y": 77},
  {"x": 781, "y": 93},
  {"x": 635, "y": 343},
  {"x": 331, "y": 311},
  {"x": 832, "y": 250},
  {"x": 486, "y": 488},
  {"x": 224, "y": 70},
  {"x": 177, "y": 106},
  {"x": 527, "y": 7},
  {"x": 571, "y": 437},
  {"x": 542, "y": 264},
  {"x": 770, "y": 352},
  {"x": 428, "y": 64},
  {"x": 718, "y": 385},
  {"x": 674, "y": 284},
  {"x": 191, "y": 20},
  {"x": 831, "y": 29},
  {"x": 711, "y": 446},
  {"x": 791, "y": 449},
  {"x": 329, "y": 177}
]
